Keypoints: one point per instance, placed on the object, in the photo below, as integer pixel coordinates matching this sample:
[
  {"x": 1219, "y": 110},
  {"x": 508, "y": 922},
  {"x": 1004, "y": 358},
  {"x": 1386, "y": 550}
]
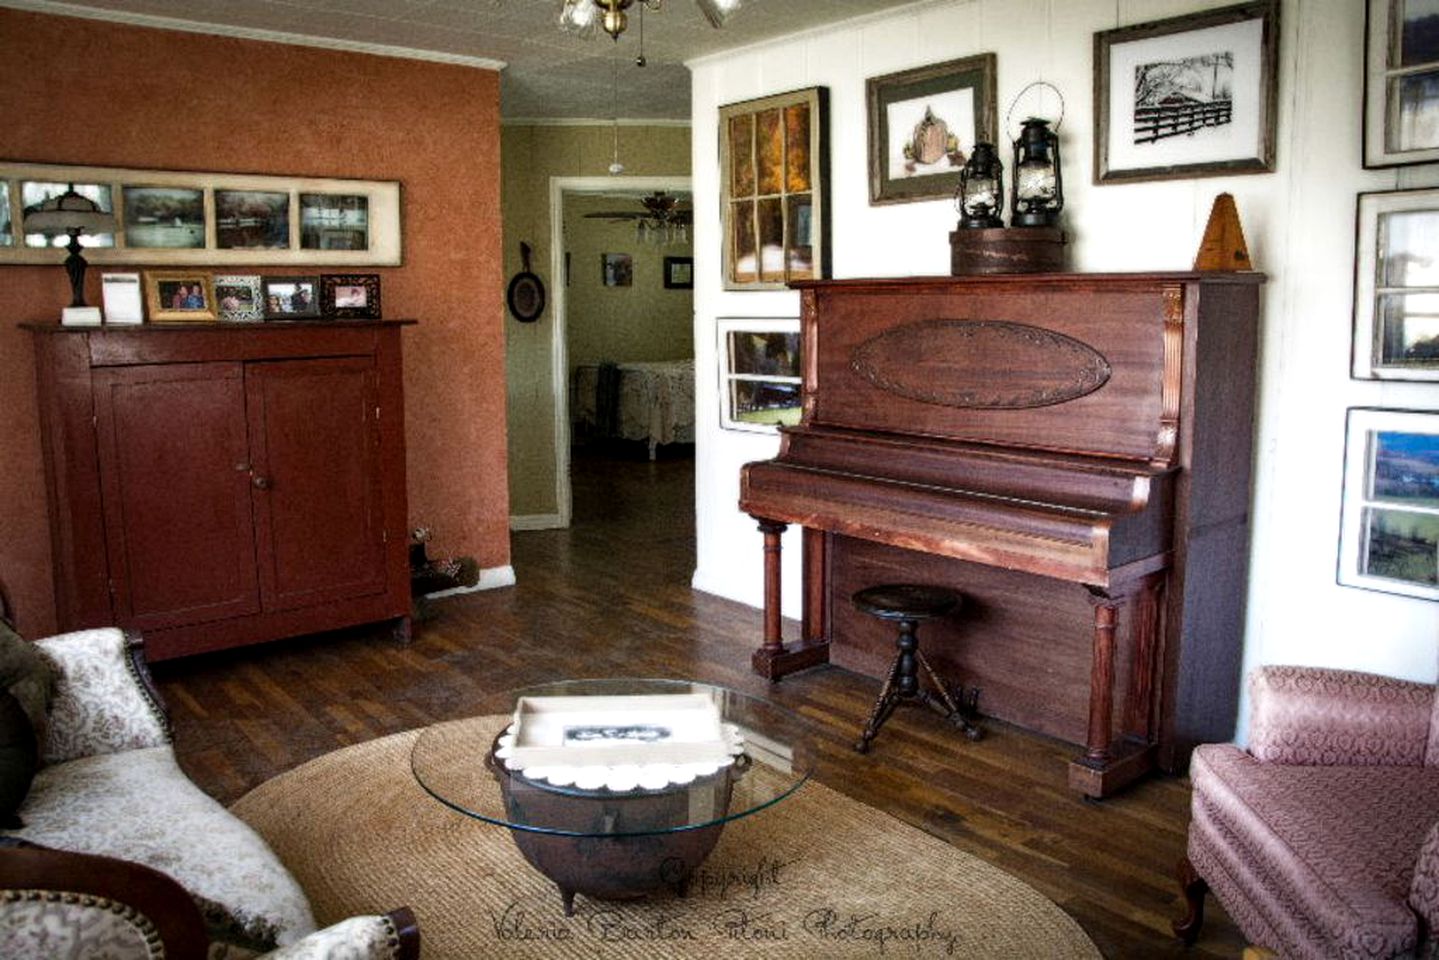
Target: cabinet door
[
  {"x": 175, "y": 485},
  {"x": 314, "y": 442}
]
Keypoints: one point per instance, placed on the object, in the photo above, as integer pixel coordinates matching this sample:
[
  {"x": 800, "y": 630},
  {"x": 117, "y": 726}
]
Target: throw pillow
[
  {"x": 19, "y": 759},
  {"x": 27, "y": 673}
]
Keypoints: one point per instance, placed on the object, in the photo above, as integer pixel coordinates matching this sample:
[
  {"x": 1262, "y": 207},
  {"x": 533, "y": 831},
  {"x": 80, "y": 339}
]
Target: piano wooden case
[{"x": 1070, "y": 451}]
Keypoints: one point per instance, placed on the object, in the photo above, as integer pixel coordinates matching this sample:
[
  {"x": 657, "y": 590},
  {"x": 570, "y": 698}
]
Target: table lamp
[{"x": 71, "y": 214}]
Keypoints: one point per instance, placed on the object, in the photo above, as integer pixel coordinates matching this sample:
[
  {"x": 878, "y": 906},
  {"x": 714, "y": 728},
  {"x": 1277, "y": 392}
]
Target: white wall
[{"x": 1299, "y": 222}]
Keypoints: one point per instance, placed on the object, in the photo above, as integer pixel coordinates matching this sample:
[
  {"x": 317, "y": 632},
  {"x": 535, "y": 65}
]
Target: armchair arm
[
  {"x": 392, "y": 936},
  {"x": 1320, "y": 717},
  {"x": 104, "y": 701}
]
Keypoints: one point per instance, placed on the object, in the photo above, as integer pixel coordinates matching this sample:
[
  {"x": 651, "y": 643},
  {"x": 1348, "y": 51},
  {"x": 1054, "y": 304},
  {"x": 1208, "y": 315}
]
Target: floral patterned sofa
[
  {"x": 110, "y": 787},
  {"x": 1322, "y": 839}
]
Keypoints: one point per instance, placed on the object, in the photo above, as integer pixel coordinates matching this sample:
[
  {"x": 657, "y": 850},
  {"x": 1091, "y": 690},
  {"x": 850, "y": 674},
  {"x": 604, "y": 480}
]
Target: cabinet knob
[{"x": 260, "y": 483}]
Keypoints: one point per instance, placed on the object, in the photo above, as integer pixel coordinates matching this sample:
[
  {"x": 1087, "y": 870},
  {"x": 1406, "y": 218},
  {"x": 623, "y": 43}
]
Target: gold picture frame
[{"x": 179, "y": 296}]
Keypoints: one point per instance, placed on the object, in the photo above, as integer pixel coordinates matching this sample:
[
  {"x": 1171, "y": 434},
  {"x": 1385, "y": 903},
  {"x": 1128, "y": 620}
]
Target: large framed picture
[
  {"x": 1401, "y": 83},
  {"x": 760, "y": 373},
  {"x": 1389, "y": 529},
  {"x": 923, "y": 124},
  {"x": 179, "y": 296},
  {"x": 774, "y": 175},
  {"x": 1396, "y": 286},
  {"x": 1191, "y": 96}
]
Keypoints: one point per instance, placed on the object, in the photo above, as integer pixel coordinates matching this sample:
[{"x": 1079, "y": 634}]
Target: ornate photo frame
[
  {"x": 238, "y": 298},
  {"x": 350, "y": 296}
]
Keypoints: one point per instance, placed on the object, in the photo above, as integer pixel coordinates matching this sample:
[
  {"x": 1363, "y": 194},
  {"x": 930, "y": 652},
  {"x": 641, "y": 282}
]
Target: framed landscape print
[
  {"x": 679, "y": 273},
  {"x": 923, "y": 124},
  {"x": 760, "y": 373},
  {"x": 252, "y": 220},
  {"x": 163, "y": 217},
  {"x": 1192, "y": 96},
  {"x": 774, "y": 172},
  {"x": 1396, "y": 286},
  {"x": 1389, "y": 530},
  {"x": 1401, "y": 83}
]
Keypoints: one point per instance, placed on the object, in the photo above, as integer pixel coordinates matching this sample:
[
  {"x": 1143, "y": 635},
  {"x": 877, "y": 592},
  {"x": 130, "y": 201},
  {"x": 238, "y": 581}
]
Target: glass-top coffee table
[{"x": 615, "y": 788}]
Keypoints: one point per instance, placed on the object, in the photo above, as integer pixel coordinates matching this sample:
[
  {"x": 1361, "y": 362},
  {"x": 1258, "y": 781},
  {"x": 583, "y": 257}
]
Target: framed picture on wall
[
  {"x": 1396, "y": 286},
  {"x": 1191, "y": 96},
  {"x": 760, "y": 373},
  {"x": 1401, "y": 83},
  {"x": 923, "y": 123},
  {"x": 679, "y": 273},
  {"x": 1389, "y": 529},
  {"x": 774, "y": 172},
  {"x": 617, "y": 269}
]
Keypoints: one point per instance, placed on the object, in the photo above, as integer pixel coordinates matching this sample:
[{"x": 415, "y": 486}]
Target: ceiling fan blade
[
  {"x": 717, "y": 11},
  {"x": 616, "y": 215}
]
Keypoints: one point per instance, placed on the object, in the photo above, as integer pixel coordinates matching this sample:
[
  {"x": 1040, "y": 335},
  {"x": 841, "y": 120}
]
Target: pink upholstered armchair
[{"x": 1322, "y": 840}]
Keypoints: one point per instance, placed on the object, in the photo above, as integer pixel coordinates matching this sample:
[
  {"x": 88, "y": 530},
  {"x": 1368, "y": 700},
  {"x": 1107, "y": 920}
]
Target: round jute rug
[{"x": 817, "y": 875}]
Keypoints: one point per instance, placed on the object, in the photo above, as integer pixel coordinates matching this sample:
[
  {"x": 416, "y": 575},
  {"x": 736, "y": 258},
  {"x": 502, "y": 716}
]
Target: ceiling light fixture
[
  {"x": 661, "y": 221},
  {"x": 584, "y": 16}
]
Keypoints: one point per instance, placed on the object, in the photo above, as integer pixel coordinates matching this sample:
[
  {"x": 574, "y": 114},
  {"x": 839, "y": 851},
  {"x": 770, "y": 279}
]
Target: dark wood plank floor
[{"x": 611, "y": 597}]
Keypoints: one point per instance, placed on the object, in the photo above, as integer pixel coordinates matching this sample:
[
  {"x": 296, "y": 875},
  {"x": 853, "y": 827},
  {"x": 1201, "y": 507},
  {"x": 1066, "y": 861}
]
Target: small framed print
[
  {"x": 1396, "y": 286},
  {"x": 1401, "y": 83},
  {"x": 290, "y": 298},
  {"x": 1389, "y": 528},
  {"x": 179, "y": 296},
  {"x": 238, "y": 298},
  {"x": 760, "y": 373},
  {"x": 617, "y": 269},
  {"x": 679, "y": 273},
  {"x": 350, "y": 296}
]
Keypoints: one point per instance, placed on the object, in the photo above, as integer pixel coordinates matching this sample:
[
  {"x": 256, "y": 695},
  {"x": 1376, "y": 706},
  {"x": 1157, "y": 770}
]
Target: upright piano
[{"x": 1072, "y": 453}]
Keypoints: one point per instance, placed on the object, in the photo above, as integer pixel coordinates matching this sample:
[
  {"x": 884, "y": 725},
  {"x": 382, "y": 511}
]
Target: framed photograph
[
  {"x": 334, "y": 221},
  {"x": 1389, "y": 528},
  {"x": 923, "y": 123},
  {"x": 1396, "y": 286},
  {"x": 238, "y": 298},
  {"x": 760, "y": 373},
  {"x": 1191, "y": 96},
  {"x": 123, "y": 297},
  {"x": 350, "y": 296},
  {"x": 171, "y": 218},
  {"x": 290, "y": 298},
  {"x": 179, "y": 296},
  {"x": 1401, "y": 83},
  {"x": 252, "y": 220},
  {"x": 774, "y": 176},
  {"x": 35, "y": 192},
  {"x": 617, "y": 269},
  {"x": 679, "y": 273}
]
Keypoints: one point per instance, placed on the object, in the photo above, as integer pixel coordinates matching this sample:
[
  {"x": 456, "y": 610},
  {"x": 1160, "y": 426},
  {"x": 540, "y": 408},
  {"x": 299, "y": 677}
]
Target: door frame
[{"x": 559, "y": 348}]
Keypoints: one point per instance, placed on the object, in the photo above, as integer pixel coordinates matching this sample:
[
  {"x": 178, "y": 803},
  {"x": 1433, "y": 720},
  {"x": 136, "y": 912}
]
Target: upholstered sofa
[
  {"x": 1322, "y": 839},
  {"x": 110, "y": 787}
]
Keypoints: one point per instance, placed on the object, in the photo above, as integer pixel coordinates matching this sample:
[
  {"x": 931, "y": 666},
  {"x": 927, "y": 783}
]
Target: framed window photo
[
  {"x": 1389, "y": 529},
  {"x": 334, "y": 221},
  {"x": 774, "y": 176},
  {"x": 760, "y": 374},
  {"x": 1396, "y": 286},
  {"x": 350, "y": 296},
  {"x": 923, "y": 124},
  {"x": 1401, "y": 83},
  {"x": 252, "y": 220},
  {"x": 679, "y": 273},
  {"x": 238, "y": 298},
  {"x": 617, "y": 269},
  {"x": 290, "y": 298},
  {"x": 179, "y": 296},
  {"x": 1191, "y": 96},
  {"x": 167, "y": 218}
]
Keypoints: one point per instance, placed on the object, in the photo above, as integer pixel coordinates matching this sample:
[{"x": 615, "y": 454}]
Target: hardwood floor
[{"x": 611, "y": 597}]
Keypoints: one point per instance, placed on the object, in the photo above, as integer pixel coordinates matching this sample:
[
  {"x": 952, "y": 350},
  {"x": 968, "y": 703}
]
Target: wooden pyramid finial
[{"x": 1223, "y": 246}]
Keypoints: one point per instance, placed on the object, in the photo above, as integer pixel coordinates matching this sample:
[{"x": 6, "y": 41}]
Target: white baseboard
[
  {"x": 537, "y": 521},
  {"x": 491, "y": 578}
]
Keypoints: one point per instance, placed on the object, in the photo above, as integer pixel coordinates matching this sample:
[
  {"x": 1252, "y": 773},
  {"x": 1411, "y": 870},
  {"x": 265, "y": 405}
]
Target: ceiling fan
[
  {"x": 661, "y": 220},
  {"x": 583, "y": 16}
]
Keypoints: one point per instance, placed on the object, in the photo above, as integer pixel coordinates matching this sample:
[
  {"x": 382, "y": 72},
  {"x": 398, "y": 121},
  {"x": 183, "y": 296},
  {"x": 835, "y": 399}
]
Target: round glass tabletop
[{"x": 615, "y": 758}]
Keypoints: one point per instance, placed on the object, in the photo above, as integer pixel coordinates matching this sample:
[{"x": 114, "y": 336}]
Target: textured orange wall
[{"x": 85, "y": 92}]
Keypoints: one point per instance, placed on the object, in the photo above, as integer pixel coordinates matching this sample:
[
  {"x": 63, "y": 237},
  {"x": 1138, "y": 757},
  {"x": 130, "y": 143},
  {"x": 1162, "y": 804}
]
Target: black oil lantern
[
  {"x": 1038, "y": 184},
  {"x": 981, "y": 189}
]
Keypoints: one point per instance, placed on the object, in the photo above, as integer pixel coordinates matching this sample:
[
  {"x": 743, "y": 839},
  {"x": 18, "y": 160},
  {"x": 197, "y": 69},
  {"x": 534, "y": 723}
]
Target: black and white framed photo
[
  {"x": 239, "y": 298},
  {"x": 1191, "y": 96},
  {"x": 1389, "y": 529},
  {"x": 1401, "y": 83},
  {"x": 1396, "y": 286},
  {"x": 252, "y": 219},
  {"x": 166, "y": 218},
  {"x": 760, "y": 375}
]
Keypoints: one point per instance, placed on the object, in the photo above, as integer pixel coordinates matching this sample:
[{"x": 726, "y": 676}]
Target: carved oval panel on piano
[{"x": 980, "y": 364}]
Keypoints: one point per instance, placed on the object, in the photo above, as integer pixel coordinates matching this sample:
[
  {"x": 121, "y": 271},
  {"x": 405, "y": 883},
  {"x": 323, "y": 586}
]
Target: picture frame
[
  {"x": 1396, "y": 286},
  {"x": 924, "y": 123},
  {"x": 238, "y": 298},
  {"x": 291, "y": 298},
  {"x": 123, "y": 297},
  {"x": 350, "y": 296},
  {"x": 334, "y": 221},
  {"x": 760, "y": 377},
  {"x": 774, "y": 185},
  {"x": 679, "y": 273},
  {"x": 1401, "y": 85},
  {"x": 252, "y": 219},
  {"x": 179, "y": 296},
  {"x": 1190, "y": 96},
  {"x": 617, "y": 269},
  {"x": 163, "y": 218},
  {"x": 1389, "y": 523}
]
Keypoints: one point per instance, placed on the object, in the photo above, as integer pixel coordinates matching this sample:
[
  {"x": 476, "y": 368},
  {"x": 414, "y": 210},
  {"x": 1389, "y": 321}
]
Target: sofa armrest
[
  {"x": 104, "y": 701},
  {"x": 391, "y": 936},
  {"x": 1321, "y": 717}
]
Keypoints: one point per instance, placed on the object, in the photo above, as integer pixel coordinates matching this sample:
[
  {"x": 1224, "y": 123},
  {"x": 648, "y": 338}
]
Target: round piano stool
[{"x": 908, "y": 605}]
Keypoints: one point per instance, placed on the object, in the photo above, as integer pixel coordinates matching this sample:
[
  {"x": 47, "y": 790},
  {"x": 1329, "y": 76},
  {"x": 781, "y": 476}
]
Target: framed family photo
[
  {"x": 1396, "y": 286},
  {"x": 924, "y": 123},
  {"x": 179, "y": 296},
  {"x": 1191, "y": 96},
  {"x": 1401, "y": 83},
  {"x": 290, "y": 298},
  {"x": 238, "y": 298},
  {"x": 350, "y": 296}
]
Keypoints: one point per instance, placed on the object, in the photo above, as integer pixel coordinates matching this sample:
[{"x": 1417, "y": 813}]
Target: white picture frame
[
  {"x": 123, "y": 296},
  {"x": 1401, "y": 85},
  {"x": 1396, "y": 286},
  {"x": 761, "y": 379}
]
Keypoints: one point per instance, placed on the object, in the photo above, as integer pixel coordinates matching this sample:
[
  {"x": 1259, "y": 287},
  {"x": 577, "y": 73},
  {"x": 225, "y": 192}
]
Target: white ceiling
[{"x": 547, "y": 74}]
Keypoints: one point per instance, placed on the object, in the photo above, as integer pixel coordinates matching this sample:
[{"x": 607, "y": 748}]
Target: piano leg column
[{"x": 773, "y": 659}]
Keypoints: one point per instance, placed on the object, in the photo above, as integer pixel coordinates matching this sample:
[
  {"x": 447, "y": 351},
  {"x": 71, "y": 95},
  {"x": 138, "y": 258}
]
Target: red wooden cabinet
[{"x": 235, "y": 485}]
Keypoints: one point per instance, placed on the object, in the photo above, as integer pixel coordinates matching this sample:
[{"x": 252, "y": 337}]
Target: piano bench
[{"x": 909, "y": 604}]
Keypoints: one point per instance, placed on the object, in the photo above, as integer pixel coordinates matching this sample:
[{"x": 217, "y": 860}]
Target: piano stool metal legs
[{"x": 908, "y": 605}]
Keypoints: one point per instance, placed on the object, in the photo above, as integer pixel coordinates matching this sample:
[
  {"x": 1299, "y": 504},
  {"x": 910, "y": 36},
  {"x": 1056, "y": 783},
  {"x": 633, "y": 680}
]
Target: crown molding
[
  {"x": 588, "y": 121},
  {"x": 249, "y": 33}
]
